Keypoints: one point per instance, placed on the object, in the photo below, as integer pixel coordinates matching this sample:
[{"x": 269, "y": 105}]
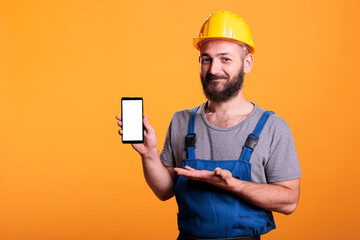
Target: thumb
[
  {"x": 147, "y": 125},
  {"x": 218, "y": 171},
  {"x": 222, "y": 173}
]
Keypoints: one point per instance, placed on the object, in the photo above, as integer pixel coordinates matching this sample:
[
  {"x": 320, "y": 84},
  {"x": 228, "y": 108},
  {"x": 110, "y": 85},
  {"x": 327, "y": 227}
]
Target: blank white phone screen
[{"x": 132, "y": 120}]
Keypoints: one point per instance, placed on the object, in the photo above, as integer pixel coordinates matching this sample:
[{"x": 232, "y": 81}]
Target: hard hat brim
[{"x": 197, "y": 41}]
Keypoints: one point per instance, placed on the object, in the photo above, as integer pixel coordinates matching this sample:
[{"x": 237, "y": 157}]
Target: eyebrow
[{"x": 219, "y": 54}]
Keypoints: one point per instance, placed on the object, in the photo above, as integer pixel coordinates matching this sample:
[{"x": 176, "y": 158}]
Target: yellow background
[{"x": 64, "y": 66}]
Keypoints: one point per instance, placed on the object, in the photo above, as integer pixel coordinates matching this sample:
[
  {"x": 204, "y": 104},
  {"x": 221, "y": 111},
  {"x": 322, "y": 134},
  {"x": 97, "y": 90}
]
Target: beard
[{"x": 230, "y": 88}]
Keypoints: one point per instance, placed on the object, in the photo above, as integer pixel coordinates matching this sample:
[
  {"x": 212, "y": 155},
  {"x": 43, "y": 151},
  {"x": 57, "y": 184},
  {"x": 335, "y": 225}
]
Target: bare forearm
[
  {"x": 158, "y": 176},
  {"x": 272, "y": 197}
]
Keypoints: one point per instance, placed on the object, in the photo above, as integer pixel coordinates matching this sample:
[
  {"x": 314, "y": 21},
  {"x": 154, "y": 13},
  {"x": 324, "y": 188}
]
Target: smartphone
[{"x": 132, "y": 111}]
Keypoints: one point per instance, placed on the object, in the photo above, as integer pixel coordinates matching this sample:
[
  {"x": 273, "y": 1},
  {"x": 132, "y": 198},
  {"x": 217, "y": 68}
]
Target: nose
[{"x": 215, "y": 67}]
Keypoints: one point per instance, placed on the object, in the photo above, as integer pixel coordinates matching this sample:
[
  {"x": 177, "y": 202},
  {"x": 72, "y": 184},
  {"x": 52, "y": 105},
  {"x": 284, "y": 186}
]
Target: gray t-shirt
[{"x": 273, "y": 160}]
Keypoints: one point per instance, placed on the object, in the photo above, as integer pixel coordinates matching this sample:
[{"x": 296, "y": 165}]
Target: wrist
[
  {"x": 234, "y": 184},
  {"x": 151, "y": 154}
]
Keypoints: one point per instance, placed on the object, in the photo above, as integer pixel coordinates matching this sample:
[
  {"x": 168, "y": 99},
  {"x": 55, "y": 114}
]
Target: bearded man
[{"x": 228, "y": 162}]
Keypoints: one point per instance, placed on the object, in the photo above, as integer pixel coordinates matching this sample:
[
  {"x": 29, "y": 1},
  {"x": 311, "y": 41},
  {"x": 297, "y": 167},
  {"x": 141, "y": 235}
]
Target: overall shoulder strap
[
  {"x": 254, "y": 137},
  {"x": 190, "y": 139}
]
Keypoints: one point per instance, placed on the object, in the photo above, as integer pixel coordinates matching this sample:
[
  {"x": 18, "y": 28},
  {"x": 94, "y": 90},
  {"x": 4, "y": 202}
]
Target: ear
[
  {"x": 248, "y": 63},
  {"x": 199, "y": 58}
]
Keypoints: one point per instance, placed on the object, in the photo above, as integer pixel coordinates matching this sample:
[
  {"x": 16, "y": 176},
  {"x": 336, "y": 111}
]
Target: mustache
[{"x": 210, "y": 76}]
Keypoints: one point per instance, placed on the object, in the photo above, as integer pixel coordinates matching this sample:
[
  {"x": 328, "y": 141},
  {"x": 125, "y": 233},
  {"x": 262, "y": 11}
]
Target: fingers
[
  {"x": 118, "y": 117},
  {"x": 189, "y": 168},
  {"x": 223, "y": 173},
  {"x": 188, "y": 172},
  {"x": 181, "y": 172}
]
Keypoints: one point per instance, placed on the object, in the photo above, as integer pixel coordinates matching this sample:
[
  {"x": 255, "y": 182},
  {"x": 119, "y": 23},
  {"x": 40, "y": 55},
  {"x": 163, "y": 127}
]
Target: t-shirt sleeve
[
  {"x": 167, "y": 155},
  {"x": 283, "y": 163}
]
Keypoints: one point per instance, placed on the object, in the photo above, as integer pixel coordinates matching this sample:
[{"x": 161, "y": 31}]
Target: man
[{"x": 228, "y": 162}]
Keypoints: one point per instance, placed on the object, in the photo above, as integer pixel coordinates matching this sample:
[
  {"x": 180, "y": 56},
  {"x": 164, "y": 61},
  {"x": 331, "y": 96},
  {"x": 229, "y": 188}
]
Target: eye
[
  {"x": 225, "y": 59},
  {"x": 205, "y": 60}
]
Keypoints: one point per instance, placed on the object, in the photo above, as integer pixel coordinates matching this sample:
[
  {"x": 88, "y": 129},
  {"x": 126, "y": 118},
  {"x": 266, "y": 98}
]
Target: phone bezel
[{"x": 122, "y": 114}]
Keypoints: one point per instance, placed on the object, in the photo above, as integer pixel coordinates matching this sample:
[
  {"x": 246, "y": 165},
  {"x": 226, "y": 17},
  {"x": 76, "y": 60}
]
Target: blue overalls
[{"x": 208, "y": 212}]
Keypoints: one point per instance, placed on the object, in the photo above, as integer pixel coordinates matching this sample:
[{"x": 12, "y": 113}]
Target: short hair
[{"x": 245, "y": 51}]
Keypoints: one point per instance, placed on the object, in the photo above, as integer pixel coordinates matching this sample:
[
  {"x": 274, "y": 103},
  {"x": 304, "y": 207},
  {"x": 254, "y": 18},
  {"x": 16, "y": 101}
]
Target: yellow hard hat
[{"x": 225, "y": 25}]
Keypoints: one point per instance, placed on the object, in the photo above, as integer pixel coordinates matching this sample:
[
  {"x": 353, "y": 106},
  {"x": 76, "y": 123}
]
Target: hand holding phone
[{"x": 132, "y": 119}]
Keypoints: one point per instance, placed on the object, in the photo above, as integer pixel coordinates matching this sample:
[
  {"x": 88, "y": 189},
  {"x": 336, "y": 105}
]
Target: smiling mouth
[{"x": 217, "y": 79}]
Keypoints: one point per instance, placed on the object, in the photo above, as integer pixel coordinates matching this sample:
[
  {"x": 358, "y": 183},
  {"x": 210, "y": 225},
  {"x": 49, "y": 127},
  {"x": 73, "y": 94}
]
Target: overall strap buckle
[
  {"x": 190, "y": 140},
  {"x": 252, "y": 141}
]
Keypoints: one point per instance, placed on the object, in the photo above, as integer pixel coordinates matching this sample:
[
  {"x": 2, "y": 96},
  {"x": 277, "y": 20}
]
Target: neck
[{"x": 234, "y": 106}]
